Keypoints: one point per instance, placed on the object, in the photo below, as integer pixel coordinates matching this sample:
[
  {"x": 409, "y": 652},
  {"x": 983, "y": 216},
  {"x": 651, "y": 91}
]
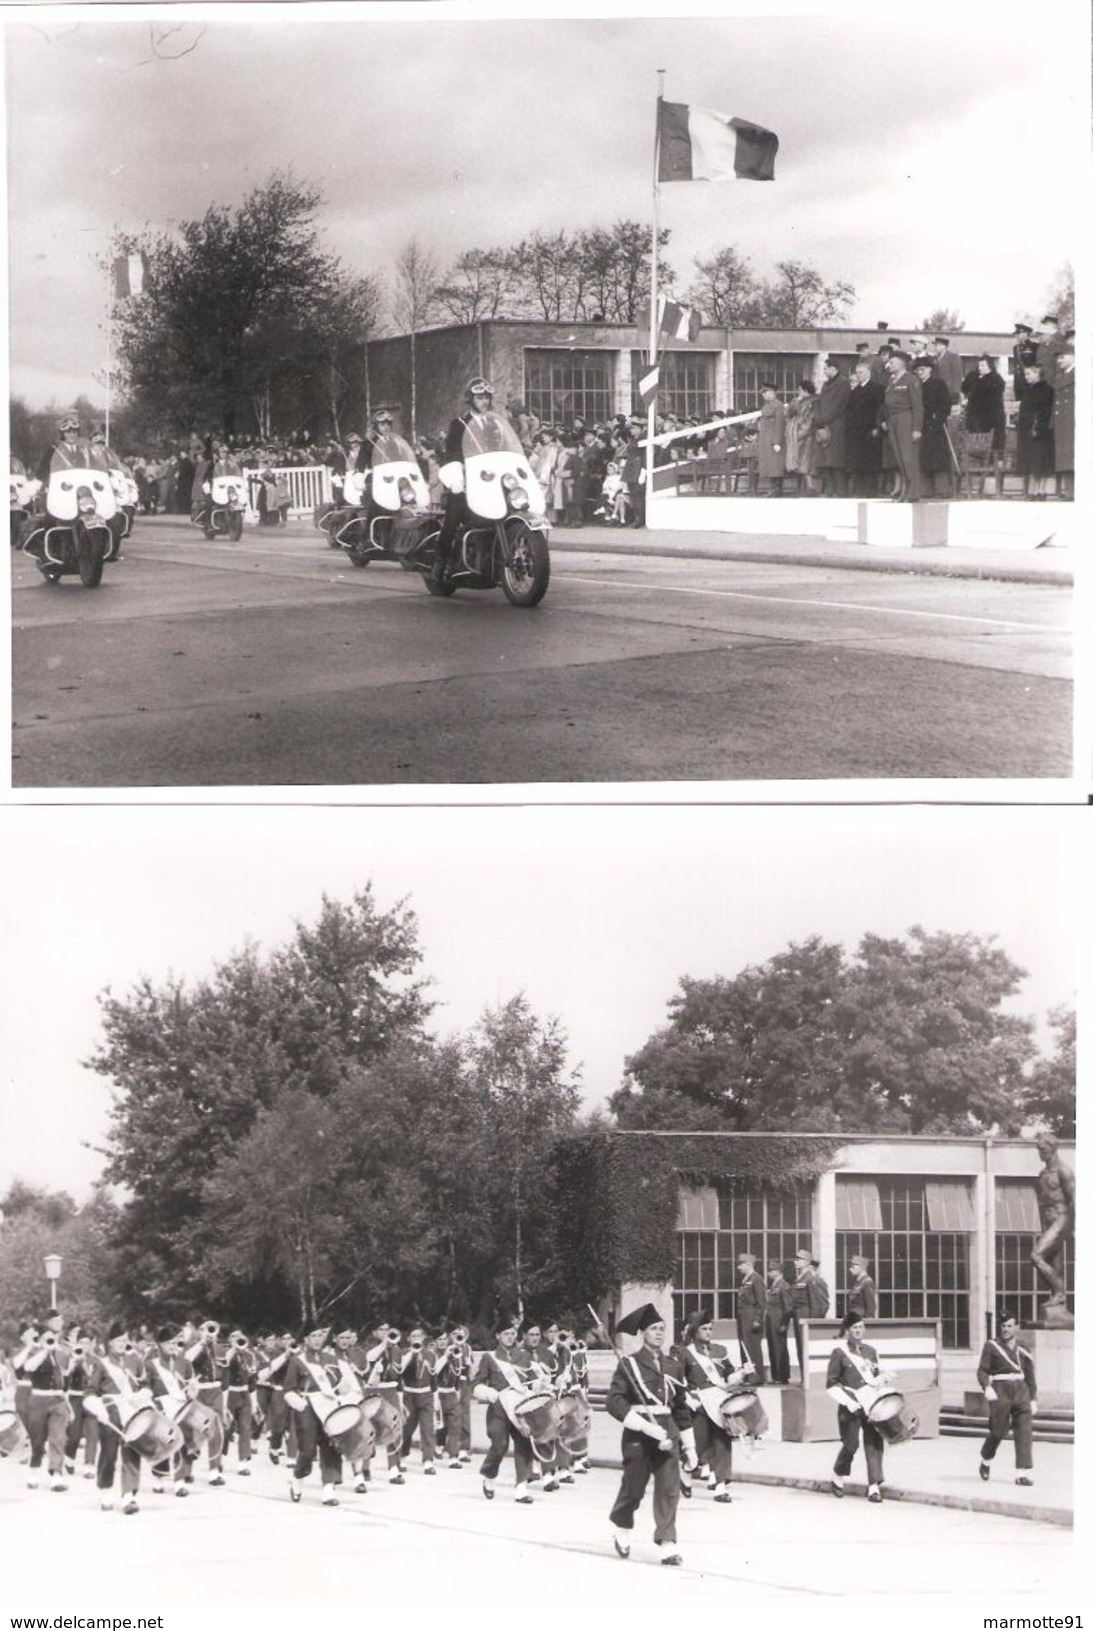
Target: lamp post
[{"x": 53, "y": 1274}]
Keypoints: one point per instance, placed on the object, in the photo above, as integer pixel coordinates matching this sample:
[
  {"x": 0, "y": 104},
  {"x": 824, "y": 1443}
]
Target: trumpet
[
  {"x": 239, "y": 1342},
  {"x": 49, "y": 1340},
  {"x": 393, "y": 1337},
  {"x": 210, "y": 1330}
]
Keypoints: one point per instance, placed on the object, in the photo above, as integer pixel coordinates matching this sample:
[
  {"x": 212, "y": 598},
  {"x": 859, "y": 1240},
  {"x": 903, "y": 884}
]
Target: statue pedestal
[
  {"x": 1053, "y": 1351},
  {"x": 1056, "y": 1317}
]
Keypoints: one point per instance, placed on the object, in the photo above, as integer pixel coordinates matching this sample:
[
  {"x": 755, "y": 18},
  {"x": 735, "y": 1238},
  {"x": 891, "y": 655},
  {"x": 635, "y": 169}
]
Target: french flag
[
  {"x": 131, "y": 274},
  {"x": 697, "y": 144}
]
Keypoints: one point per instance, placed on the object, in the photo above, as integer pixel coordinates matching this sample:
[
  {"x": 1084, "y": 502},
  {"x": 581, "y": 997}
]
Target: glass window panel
[
  {"x": 949, "y": 1205},
  {"x": 785, "y": 368},
  {"x": 857, "y": 1204},
  {"x": 560, "y": 385},
  {"x": 686, "y": 383},
  {"x": 1016, "y": 1207}
]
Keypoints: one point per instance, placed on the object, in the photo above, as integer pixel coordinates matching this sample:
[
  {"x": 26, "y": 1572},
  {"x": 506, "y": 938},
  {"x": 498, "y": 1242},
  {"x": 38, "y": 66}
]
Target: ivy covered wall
[{"x": 618, "y": 1194}]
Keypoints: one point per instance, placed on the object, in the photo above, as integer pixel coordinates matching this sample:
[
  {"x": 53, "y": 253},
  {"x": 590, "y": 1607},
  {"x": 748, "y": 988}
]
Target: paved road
[
  {"x": 274, "y": 662},
  {"x": 435, "y": 1552}
]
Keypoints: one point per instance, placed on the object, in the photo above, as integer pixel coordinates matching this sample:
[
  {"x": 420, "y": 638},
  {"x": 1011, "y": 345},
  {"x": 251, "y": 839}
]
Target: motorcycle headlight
[
  {"x": 517, "y": 497},
  {"x": 406, "y": 491},
  {"x": 85, "y": 502}
]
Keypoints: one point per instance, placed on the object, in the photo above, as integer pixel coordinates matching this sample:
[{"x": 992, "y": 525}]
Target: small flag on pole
[
  {"x": 647, "y": 384},
  {"x": 130, "y": 274},
  {"x": 697, "y": 144},
  {"x": 676, "y": 322}
]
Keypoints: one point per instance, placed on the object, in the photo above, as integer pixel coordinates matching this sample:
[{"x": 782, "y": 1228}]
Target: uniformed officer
[
  {"x": 902, "y": 413},
  {"x": 854, "y": 1365},
  {"x": 861, "y": 1298},
  {"x": 479, "y": 398},
  {"x": 1007, "y": 1376},
  {"x": 417, "y": 1398},
  {"x": 751, "y": 1309},
  {"x": 651, "y": 1405}
]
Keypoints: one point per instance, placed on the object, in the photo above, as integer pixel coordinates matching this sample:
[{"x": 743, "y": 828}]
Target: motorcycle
[
  {"x": 397, "y": 487},
  {"x": 220, "y": 514},
  {"x": 126, "y": 496},
  {"x": 342, "y": 520},
  {"x": 501, "y": 540},
  {"x": 21, "y": 491},
  {"x": 75, "y": 534}
]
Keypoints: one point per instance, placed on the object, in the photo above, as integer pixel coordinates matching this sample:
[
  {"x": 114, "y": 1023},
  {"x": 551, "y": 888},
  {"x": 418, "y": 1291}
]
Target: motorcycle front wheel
[
  {"x": 235, "y": 527},
  {"x": 525, "y": 578},
  {"x": 90, "y": 553}
]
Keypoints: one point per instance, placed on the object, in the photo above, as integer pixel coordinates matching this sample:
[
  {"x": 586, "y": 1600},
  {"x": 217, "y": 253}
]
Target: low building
[
  {"x": 591, "y": 370},
  {"x": 947, "y": 1223}
]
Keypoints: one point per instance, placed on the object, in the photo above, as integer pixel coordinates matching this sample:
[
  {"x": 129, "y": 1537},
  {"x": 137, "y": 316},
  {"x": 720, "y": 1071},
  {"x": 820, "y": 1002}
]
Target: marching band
[{"x": 186, "y": 1394}]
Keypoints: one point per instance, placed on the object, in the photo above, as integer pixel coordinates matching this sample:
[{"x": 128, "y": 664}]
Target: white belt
[{"x": 417, "y": 1390}]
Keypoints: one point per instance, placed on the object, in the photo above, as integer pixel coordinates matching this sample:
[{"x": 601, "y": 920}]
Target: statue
[{"x": 1055, "y": 1193}]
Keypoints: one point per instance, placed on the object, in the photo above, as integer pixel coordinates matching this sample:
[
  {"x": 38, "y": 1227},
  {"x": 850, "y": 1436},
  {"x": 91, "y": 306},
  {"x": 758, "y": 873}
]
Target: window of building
[
  {"x": 769, "y": 1224},
  {"x": 919, "y": 1256},
  {"x": 786, "y": 368},
  {"x": 687, "y": 384},
  {"x": 1016, "y": 1229},
  {"x": 562, "y": 385}
]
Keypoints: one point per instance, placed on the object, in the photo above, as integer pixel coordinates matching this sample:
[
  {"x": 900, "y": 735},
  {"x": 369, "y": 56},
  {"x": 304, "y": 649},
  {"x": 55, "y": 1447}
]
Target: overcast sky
[
  {"x": 595, "y": 913},
  {"x": 931, "y": 159}
]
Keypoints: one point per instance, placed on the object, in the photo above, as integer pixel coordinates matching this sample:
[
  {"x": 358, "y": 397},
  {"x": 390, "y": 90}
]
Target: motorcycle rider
[
  {"x": 102, "y": 457},
  {"x": 69, "y": 452},
  {"x": 479, "y": 397}
]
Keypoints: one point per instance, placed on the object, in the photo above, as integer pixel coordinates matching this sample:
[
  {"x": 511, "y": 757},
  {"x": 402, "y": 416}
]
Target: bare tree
[
  {"x": 416, "y": 278},
  {"x": 942, "y": 321},
  {"x": 725, "y": 291},
  {"x": 799, "y": 298},
  {"x": 477, "y": 286}
]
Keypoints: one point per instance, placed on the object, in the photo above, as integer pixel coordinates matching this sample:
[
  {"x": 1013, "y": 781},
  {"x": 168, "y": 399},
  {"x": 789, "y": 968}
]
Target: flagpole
[
  {"x": 109, "y": 338},
  {"x": 654, "y": 296}
]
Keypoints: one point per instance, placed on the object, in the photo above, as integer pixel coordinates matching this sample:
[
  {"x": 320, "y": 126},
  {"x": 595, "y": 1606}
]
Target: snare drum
[
  {"x": 574, "y": 1418},
  {"x": 891, "y": 1417},
  {"x": 337, "y": 1416},
  {"x": 386, "y": 1419},
  {"x": 537, "y": 1417},
  {"x": 743, "y": 1415},
  {"x": 160, "y": 1440}
]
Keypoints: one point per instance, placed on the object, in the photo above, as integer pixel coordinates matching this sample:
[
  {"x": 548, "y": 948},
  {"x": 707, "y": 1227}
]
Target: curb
[
  {"x": 1059, "y": 1516},
  {"x": 1060, "y": 577}
]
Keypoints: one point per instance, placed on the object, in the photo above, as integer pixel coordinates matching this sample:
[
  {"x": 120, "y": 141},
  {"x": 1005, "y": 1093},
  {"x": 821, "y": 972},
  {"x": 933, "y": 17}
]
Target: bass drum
[
  {"x": 386, "y": 1419},
  {"x": 358, "y": 1444},
  {"x": 201, "y": 1426},
  {"x": 160, "y": 1439},
  {"x": 574, "y": 1420}
]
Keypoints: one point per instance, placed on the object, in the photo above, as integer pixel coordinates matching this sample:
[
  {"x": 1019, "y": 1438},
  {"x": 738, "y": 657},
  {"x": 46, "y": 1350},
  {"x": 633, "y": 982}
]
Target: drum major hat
[{"x": 639, "y": 1319}]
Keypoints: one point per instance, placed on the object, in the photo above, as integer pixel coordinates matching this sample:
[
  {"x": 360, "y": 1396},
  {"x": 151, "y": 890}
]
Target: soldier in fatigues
[
  {"x": 903, "y": 422},
  {"x": 651, "y": 1404}
]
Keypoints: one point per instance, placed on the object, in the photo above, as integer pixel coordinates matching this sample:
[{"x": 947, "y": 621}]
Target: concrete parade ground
[
  {"x": 274, "y": 662},
  {"x": 436, "y": 1542}
]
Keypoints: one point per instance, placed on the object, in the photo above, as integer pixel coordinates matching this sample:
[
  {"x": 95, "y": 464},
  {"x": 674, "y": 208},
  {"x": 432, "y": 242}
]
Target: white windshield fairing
[
  {"x": 393, "y": 463},
  {"x": 495, "y": 462},
  {"x": 225, "y": 488},
  {"x": 63, "y": 494}
]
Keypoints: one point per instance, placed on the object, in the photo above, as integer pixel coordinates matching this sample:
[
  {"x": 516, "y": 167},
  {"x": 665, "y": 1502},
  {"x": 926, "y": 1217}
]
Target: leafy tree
[
  {"x": 1060, "y": 296},
  {"x": 517, "y": 1071},
  {"x": 942, "y": 321},
  {"x": 192, "y": 1067},
  {"x": 237, "y": 306},
  {"x": 1052, "y": 1091},
  {"x": 907, "y": 1036},
  {"x": 36, "y": 1222}
]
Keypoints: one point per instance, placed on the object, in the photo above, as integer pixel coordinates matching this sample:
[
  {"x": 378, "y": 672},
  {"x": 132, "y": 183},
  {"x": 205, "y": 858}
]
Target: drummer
[
  {"x": 708, "y": 1364},
  {"x": 542, "y": 1360},
  {"x": 307, "y": 1373},
  {"x": 499, "y": 1371},
  {"x": 115, "y": 1376},
  {"x": 854, "y": 1365}
]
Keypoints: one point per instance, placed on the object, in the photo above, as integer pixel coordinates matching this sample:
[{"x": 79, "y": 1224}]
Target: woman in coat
[
  {"x": 1035, "y": 439},
  {"x": 984, "y": 392},
  {"x": 1062, "y": 423},
  {"x": 801, "y": 437},
  {"x": 934, "y": 456},
  {"x": 772, "y": 441}
]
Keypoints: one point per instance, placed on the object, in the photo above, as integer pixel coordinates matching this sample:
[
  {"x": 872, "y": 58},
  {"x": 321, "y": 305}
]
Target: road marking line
[{"x": 821, "y": 605}]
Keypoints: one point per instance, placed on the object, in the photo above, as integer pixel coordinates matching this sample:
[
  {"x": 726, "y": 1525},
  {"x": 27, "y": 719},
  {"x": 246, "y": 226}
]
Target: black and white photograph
[
  {"x": 686, "y": 1226},
  {"x": 427, "y": 396}
]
